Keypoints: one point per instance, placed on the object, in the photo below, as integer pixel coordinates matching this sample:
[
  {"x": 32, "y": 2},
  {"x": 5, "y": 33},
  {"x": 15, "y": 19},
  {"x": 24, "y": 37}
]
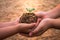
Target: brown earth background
[{"x": 12, "y": 9}]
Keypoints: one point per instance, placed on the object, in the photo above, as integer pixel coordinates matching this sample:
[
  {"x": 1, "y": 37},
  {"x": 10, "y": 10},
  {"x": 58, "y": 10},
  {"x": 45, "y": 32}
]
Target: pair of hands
[{"x": 43, "y": 23}]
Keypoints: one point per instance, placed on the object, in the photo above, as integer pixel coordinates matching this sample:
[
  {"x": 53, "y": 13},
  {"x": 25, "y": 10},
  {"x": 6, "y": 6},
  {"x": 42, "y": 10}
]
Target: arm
[
  {"x": 54, "y": 13},
  {"x": 8, "y": 31},
  {"x": 46, "y": 24},
  {"x": 56, "y": 23},
  {"x": 11, "y": 30}
]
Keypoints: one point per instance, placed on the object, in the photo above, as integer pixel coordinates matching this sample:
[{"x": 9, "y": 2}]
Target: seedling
[
  {"x": 29, "y": 17},
  {"x": 30, "y": 9}
]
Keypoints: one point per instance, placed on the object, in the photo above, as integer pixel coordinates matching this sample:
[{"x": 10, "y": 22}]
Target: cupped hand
[
  {"x": 42, "y": 27},
  {"x": 41, "y": 14},
  {"x": 30, "y": 27},
  {"x": 43, "y": 23},
  {"x": 26, "y": 28}
]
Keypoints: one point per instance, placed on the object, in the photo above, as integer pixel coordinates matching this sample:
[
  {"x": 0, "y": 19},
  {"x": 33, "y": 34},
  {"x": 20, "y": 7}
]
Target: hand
[
  {"x": 42, "y": 15},
  {"x": 42, "y": 27},
  {"x": 42, "y": 24},
  {"x": 26, "y": 28}
]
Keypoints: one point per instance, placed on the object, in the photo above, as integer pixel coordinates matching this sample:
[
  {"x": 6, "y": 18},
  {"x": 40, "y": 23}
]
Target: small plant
[
  {"x": 30, "y": 9},
  {"x": 29, "y": 17}
]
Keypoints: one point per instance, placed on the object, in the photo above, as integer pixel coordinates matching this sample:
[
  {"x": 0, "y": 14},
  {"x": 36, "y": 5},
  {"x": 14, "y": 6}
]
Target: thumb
[
  {"x": 30, "y": 25},
  {"x": 34, "y": 31},
  {"x": 38, "y": 28},
  {"x": 39, "y": 14}
]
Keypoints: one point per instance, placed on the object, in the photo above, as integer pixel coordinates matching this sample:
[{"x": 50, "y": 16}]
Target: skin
[
  {"x": 10, "y": 28},
  {"x": 49, "y": 19},
  {"x": 56, "y": 23}
]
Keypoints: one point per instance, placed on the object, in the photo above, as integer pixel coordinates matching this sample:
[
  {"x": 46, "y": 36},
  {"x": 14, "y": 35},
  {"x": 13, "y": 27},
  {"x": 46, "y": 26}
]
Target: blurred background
[{"x": 12, "y": 9}]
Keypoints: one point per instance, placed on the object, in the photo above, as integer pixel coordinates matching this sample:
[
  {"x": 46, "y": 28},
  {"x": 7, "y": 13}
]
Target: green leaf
[{"x": 30, "y": 9}]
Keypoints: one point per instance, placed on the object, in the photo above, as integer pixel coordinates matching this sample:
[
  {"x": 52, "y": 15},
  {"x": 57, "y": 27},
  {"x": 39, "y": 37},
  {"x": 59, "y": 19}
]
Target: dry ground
[{"x": 11, "y": 9}]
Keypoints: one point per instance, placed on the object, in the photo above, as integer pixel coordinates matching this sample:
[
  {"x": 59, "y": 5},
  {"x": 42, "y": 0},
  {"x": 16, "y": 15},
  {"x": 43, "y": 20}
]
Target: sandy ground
[{"x": 11, "y": 9}]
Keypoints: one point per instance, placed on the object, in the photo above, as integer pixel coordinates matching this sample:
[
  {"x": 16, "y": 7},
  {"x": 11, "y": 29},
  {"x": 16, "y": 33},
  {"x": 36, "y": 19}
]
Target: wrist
[
  {"x": 18, "y": 28},
  {"x": 46, "y": 15},
  {"x": 50, "y": 14},
  {"x": 52, "y": 23},
  {"x": 54, "y": 13}
]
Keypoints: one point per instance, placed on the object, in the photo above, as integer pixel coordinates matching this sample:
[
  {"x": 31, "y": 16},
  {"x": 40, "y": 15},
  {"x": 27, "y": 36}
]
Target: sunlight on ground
[{"x": 11, "y": 9}]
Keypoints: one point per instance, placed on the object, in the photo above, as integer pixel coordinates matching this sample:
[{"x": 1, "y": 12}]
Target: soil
[
  {"x": 28, "y": 18},
  {"x": 10, "y": 10}
]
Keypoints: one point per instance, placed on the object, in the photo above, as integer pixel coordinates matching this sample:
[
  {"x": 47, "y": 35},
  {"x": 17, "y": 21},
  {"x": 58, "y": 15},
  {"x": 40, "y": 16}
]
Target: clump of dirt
[{"x": 28, "y": 18}]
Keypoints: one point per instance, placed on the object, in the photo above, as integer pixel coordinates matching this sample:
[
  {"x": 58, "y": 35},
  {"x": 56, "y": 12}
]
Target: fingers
[
  {"x": 26, "y": 26},
  {"x": 43, "y": 25},
  {"x": 38, "y": 21},
  {"x": 36, "y": 30},
  {"x": 31, "y": 25},
  {"x": 40, "y": 14}
]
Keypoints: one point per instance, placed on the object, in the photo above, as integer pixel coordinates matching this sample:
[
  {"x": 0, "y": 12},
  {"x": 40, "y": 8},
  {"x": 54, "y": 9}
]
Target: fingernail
[{"x": 30, "y": 34}]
